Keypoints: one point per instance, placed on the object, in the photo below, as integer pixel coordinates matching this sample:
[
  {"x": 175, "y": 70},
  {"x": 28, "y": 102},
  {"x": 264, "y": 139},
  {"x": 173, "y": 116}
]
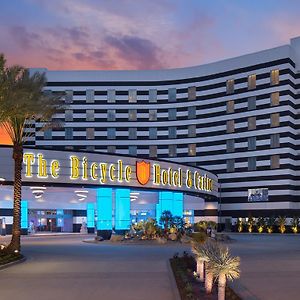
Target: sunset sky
[{"x": 141, "y": 34}]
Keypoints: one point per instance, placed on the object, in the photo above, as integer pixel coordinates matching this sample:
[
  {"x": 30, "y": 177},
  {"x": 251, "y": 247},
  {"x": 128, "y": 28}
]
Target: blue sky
[{"x": 141, "y": 34}]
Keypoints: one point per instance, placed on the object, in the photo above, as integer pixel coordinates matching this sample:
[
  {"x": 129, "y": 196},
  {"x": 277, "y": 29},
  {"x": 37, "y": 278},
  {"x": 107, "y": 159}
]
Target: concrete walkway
[
  {"x": 65, "y": 268},
  {"x": 270, "y": 266}
]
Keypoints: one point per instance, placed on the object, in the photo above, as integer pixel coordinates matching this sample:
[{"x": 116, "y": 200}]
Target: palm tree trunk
[
  {"x": 200, "y": 269},
  {"x": 15, "y": 244},
  {"x": 221, "y": 287},
  {"x": 208, "y": 282}
]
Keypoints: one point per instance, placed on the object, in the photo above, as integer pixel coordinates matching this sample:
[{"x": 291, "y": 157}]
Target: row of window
[
  {"x": 252, "y": 164},
  {"x": 274, "y": 143},
  {"x": 274, "y": 80},
  {"x": 132, "y": 93},
  {"x": 274, "y": 122},
  {"x": 274, "y": 101},
  {"x": 132, "y": 133}
]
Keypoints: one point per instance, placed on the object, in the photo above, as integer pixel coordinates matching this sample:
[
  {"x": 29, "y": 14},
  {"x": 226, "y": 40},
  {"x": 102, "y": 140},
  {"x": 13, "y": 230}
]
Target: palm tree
[
  {"x": 204, "y": 253},
  {"x": 200, "y": 261},
  {"x": 22, "y": 103},
  {"x": 224, "y": 267}
]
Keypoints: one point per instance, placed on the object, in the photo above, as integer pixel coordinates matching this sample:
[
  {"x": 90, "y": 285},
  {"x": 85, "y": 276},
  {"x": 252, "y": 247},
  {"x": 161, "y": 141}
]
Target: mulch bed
[
  {"x": 8, "y": 258},
  {"x": 190, "y": 288}
]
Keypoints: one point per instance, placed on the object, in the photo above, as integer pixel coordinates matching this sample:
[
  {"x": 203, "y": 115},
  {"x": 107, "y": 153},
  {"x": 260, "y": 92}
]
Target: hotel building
[{"x": 236, "y": 119}]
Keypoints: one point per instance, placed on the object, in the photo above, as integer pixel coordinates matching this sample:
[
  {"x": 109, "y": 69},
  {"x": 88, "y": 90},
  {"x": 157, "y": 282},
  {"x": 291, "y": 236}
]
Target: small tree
[
  {"x": 261, "y": 223},
  {"x": 22, "y": 103},
  {"x": 270, "y": 222},
  {"x": 295, "y": 224},
  {"x": 240, "y": 225},
  {"x": 166, "y": 220},
  {"x": 250, "y": 224},
  {"x": 281, "y": 221},
  {"x": 224, "y": 267}
]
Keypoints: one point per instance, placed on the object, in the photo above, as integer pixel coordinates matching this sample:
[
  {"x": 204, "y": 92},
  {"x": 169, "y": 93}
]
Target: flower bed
[
  {"x": 8, "y": 258},
  {"x": 190, "y": 288}
]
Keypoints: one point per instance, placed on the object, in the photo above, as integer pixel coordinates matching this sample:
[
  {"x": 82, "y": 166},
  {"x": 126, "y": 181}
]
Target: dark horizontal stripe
[
  {"x": 206, "y": 212},
  {"x": 244, "y": 213},
  {"x": 5, "y": 212},
  {"x": 273, "y": 198},
  {"x": 177, "y": 81},
  {"x": 79, "y": 213}
]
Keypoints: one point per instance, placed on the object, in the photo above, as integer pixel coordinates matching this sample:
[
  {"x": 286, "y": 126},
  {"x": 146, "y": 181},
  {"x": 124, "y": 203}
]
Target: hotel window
[
  {"x": 251, "y": 82},
  {"x": 69, "y": 133},
  {"x": 132, "y": 96},
  {"x": 152, "y": 133},
  {"x": 90, "y": 133},
  {"x": 274, "y": 77},
  {"x": 251, "y": 163},
  {"x": 111, "y": 115},
  {"x": 172, "y": 95},
  {"x": 48, "y": 134},
  {"x": 252, "y": 143},
  {"x": 251, "y": 103},
  {"x": 172, "y": 132},
  {"x": 111, "y": 133},
  {"x": 230, "y": 106},
  {"x": 230, "y": 146},
  {"x": 172, "y": 150},
  {"x": 69, "y": 96},
  {"x": 132, "y": 150},
  {"x": 68, "y": 115},
  {"x": 111, "y": 96},
  {"x": 192, "y": 131},
  {"x": 111, "y": 149},
  {"x": 275, "y": 140},
  {"x": 152, "y": 96},
  {"x": 172, "y": 114},
  {"x": 90, "y": 96},
  {"x": 230, "y": 86},
  {"x": 192, "y": 112},
  {"x": 90, "y": 116},
  {"x": 192, "y": 93},
  {"x": 230, "y": 165},
  {"x": 152, "y": 151},
  {"x": 275, "y": 120},
  {"x": 275, "y": 161},
  {"x": 192, "y": 149},
  {"x": 275, "y": 99},
  {"x": 152, "y": 115},
  {"x": 251, "y": 123},
  {"x": 132, "y": 133},
  {"x": 230, "y": 126},
  {"x": 132, "y": 114}
]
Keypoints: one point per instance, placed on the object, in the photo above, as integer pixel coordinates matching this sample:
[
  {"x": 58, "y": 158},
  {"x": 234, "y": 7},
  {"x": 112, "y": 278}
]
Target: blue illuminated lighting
[
  {"x": 171, "y": 201},
  {"x": 60, "y": 218},
  {"x": 122, "y": 218},
  {"x": 24, "y": 214},
  {"x": 90, "y": 215},
  {"x": 104, "y": 209}
]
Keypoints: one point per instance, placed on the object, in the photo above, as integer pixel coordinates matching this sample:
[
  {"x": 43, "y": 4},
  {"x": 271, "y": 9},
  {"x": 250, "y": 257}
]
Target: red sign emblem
[{"x": 143, "y": 172}]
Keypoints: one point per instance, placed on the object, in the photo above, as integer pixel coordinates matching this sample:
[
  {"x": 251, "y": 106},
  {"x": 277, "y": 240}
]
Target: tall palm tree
[
  {"x": 224, "y": 266},
  {"x": 200, "y": 261},
  {"x": 22, "y": 103}
]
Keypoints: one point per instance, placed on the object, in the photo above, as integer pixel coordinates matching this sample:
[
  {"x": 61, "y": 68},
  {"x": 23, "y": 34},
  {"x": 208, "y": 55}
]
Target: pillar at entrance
[
  {"x": 122, "y": 215},
  {"x": 24, "y": 217},
  {"x": 104, "y": 212},
  {"x": 90, "y": 217}
]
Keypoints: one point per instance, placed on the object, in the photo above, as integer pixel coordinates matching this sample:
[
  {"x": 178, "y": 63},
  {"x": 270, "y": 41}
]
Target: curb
[
  {"x": 2, "y": 267},
  {"x": 242, "y": 291},
  {"x": 176, "y": 295}
]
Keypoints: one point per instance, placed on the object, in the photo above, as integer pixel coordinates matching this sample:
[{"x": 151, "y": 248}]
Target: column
[
  {"x": 24, "y": 217},
  {"x": 122, "y": 212},
  {"x": 59, "y": 220},
  {"x": 90, "y": 217},
  {"x": 104, "y": 212}
]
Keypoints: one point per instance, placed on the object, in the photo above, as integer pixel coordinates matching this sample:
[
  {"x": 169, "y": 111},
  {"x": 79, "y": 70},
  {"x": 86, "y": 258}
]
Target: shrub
[
  {"x": 240, "y": 225},
  {"x": 281, "y": 224},
  {"x": 199, "y": 237},
  {"x": 200, "y": 226},
  {"x": 271, "y": 221},
  {"x": 261, "y": 223},
  {"x": 250, "y": 224},
  {"x": 295, "y": 224}
]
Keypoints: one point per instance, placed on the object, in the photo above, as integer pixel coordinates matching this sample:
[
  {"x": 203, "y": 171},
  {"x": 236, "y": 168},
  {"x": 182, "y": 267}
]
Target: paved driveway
[
  {"x": 270, "y": 266},
  {"x": 65, "y": 268}
]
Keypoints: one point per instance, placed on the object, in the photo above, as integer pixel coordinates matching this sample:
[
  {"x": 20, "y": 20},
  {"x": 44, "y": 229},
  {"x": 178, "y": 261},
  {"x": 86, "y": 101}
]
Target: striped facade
[{"x": 237, "y": 118}]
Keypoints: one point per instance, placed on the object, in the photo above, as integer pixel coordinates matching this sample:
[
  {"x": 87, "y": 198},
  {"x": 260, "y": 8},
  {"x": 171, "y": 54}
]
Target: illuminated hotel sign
[{"x": 80, "y": 169}]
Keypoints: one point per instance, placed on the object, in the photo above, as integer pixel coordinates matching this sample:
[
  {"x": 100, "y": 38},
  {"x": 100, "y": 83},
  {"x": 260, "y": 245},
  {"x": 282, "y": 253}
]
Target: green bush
[{"x": 199, "y": 237}]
